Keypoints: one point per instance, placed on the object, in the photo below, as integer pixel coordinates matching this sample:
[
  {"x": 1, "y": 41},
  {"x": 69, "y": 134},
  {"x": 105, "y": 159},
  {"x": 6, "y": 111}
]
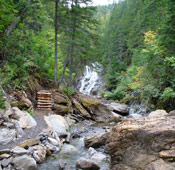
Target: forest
[{"x": 50, "y": 42}]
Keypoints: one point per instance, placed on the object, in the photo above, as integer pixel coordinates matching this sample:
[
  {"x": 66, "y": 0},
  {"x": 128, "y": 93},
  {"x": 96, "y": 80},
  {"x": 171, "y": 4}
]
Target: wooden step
[
  {"x": 44, "y": 103},
  {"x": 43, "y": 93},
  {"x": 44, "y": 100},
  {"x": 41, "y": 98},
  {"x": 44, "y": 106}
]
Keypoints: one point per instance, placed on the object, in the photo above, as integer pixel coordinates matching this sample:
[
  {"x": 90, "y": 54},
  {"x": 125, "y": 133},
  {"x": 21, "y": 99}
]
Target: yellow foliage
[
  {"x": 150, "y": 37},
  {"x": 138, "y": 80}
]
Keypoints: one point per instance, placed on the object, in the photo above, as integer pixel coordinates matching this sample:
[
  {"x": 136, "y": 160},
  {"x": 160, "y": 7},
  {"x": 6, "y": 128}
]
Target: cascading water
[{"x": 91, "y": 81}]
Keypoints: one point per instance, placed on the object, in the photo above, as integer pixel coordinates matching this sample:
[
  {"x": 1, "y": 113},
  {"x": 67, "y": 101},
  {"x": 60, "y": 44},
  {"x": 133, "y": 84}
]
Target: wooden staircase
[{"x": 44, "y": 100}]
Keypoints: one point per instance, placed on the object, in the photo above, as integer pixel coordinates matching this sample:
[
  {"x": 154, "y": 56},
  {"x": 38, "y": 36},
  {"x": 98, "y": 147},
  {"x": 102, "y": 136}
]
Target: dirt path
[{"x": 30, "y": 133}]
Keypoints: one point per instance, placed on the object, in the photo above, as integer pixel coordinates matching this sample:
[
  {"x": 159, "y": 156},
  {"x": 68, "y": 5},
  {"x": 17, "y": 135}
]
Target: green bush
[{"x": 2, "y": 103}]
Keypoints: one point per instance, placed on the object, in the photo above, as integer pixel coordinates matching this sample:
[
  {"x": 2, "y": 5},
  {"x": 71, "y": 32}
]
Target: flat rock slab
[
  {"x": 28, "y": 143},
  {"x": 57, "y": 123},
  {"x": 25, "y": 163},
  {"x": 19, "y": 151},
  {"x": 7, "y": 135}
]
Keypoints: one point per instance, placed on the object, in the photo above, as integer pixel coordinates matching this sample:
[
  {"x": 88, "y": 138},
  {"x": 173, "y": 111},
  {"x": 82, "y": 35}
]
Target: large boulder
[
  {"x": 118, "y": 108},
  {"x": 25, "y": 119},
  {"x": 60, "y": 109},
  {"x": 62, "y": 104},
  {"x": 158, "y": 113},
  {"x": 7, "y": 135},
  {"x": 138, "y": 142},
  {"x": 86, "y": 164},
  {"x": 82, "y": 111},
  {"x": 25, "y": 163},
  {"x": 96, "y": 140},
  {"x": 57, "y": 123},
  {"x": 98, "y": 111}
]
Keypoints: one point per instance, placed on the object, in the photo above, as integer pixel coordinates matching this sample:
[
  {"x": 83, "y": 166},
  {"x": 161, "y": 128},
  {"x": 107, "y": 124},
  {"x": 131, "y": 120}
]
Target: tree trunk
[
  {"x": 56, "y": 41},
  {"x": 64, "y": 69},
  {"x": 17, "y": 20}
]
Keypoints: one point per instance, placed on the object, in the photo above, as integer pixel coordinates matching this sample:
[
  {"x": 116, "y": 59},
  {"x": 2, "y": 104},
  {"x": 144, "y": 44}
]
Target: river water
[
  {"x": 90, "y": 82},
  {"x": 71, "y": 153}
]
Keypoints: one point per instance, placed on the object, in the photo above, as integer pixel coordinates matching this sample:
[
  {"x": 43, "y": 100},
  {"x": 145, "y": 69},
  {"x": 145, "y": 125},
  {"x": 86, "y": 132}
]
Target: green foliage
[
  {"x": 30, "y": 112},
  {"x": 2, "y": 103},
  {"x": 68, "y": 91}
]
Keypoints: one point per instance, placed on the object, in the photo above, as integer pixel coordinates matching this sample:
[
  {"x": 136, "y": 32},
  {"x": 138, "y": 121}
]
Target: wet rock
[
  {"x": 62, "y": 165},
  {"x": 158, "y": 113},
  {"x": 159, "y": 165},
  {"x": 122, "y": 167},
  {"x": 66, "y": 148},
  {"x": 96, "y": 156},
  {"x": 118, "y": 108},
  {"x": 19, "y": 151},
  {"x": 25, "y": 163},
  {"x": 25, "y": 120},
  {"x": 57, "y": 123},
  {"x": 86, "y": 164},
  {"x": 39, "y": 153},
  {"x": 96, "y": 140},
  {"x": 137, "y": 142},
  {"x": 7, "y": 135},
  {"x": 29, "y": 142}
]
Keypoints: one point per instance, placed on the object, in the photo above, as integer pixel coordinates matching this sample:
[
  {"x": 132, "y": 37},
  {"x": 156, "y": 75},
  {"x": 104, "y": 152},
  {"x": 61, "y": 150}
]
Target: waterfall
[{"x": 91, "y": 82}]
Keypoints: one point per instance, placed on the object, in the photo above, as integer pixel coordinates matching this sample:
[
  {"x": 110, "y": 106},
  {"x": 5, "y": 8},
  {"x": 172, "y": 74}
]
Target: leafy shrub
[{"x": 2, "y": 103}]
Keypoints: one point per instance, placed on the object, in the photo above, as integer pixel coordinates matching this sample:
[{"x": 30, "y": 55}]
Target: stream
[{"x": 70, "y": 153}]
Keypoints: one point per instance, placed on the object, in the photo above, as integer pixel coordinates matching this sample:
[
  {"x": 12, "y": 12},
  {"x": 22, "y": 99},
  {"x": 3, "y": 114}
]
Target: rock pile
[{"x": 27, "y": 154}]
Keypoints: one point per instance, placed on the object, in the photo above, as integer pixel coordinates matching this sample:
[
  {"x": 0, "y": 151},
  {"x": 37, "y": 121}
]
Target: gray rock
[
  {"x": 39, "y": 153},
  {"x": 118, "y": 108},
  {"x": 9, "y": 124},
  {"x": 158, "y": 113},
  {"x": 96, "y": 140},
  {"x": 7, "y": 135},
  {"x": 8, "y": 168},
  {"x": 53, "y": 141},
  {"x": 86, "y": 164},
  {"x": 66, "y": 148},
  {"x": 57, "y": 123},
  {"x": 25, "y": 163},
  {"x": 96, "y": 156},
  {"x": 25, "y": 119},
  {"x": 159, "y": 165},
  {"x": 19, "y": 151},
  {"x": 5, "y": 118},
  {"x": 5, "y": 162}
]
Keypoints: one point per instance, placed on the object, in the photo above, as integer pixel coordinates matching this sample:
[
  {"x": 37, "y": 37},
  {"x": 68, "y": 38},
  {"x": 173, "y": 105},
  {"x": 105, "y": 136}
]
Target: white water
[{"x": 91, "y": 79}]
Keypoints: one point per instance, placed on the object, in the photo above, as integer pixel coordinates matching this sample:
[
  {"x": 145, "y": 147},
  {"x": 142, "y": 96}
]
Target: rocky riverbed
[{"x": 82, "y": 132}]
